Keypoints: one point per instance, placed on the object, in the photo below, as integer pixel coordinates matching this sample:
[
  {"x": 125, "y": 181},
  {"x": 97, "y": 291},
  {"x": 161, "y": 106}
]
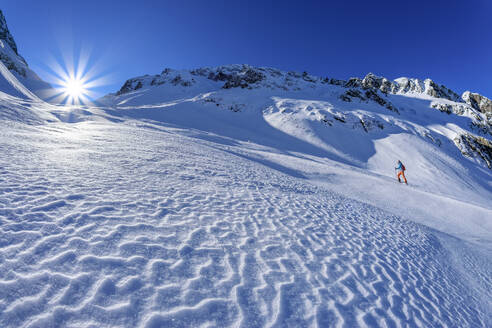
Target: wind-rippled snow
[{"x": 135, "y": 225}]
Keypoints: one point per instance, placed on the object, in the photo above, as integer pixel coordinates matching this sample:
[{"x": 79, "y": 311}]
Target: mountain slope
[
  {"x": 17, "y": 66},
  {"x": 245, "y": 197},
  {"x": 136, "y": 224},
  {"x": 341, "y": 120}
]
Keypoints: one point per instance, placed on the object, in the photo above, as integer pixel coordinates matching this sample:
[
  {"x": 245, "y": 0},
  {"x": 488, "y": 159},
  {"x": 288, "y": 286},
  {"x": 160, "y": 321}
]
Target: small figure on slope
[{"x": 400, "y": 171}]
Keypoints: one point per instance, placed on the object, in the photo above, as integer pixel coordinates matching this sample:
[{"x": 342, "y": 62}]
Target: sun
[
  {"x": 74, "y": 89},
  {"x": 76, "y": 75}
]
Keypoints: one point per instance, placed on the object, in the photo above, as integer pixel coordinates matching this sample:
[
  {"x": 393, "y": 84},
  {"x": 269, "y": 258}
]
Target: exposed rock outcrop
[
  {"x": 168, "y": 75},
  {"x": 440, "y": 91},
  {"x": 368, "y": 95},
  {"x": 232, "y": 76},
  {"x": 401, "y": 85},
  {"x": 235, "y": 79},
  {"x": 372, "y": 81},
  {"x": 429, "y": 87},
  {"x": 478, "y": 101},
  {"x": 10, "y": 58},
  {"x": 475, "y": 147},
  {"x": 5, "y": 34},
  {"x": 455, "y": 108},
  {"x": 13, "y": 65}
]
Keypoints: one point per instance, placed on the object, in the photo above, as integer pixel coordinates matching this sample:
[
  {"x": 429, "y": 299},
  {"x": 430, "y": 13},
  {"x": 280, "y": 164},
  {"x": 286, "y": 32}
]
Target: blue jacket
[{"x": 399, "y": 167}]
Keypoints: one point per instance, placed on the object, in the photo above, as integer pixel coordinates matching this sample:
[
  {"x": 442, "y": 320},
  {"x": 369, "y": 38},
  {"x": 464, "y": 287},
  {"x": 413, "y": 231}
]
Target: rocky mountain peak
[
  {"x": 371, "y": 88},
  {"x": 228, "y": 77},
  {"x": 427, "y": 86},
  {"x": 440, "y": 91},
  {"x": 401, "y": 85},
  {"x": 378, "y": 82},
  {"x": 5, "y": 33},
  {"x": 477, "y": 101}
]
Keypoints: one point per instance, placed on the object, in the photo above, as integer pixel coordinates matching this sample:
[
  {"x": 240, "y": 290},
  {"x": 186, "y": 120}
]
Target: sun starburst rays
[{"x": 74, "y": 78}]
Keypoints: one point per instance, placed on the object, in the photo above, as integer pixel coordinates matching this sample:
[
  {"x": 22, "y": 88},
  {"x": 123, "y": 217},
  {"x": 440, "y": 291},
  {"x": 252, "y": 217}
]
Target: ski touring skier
[{"x": 400, "y": 171}]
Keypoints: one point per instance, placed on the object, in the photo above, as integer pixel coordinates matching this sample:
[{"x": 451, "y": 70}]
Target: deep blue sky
[{"x": 448, "y": 41}]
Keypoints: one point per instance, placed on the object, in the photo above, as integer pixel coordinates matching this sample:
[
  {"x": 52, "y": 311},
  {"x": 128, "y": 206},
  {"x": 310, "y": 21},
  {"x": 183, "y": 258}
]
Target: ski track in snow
[{"x": 120, "y": 226}]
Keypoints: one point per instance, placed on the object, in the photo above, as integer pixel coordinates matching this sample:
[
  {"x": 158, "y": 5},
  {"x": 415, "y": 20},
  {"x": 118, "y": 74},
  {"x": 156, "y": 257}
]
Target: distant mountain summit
[
  {"x": 316, "y": 110},
  {"x": 371, "y": 87},
  {"x": 249, "y": 77},
  {"x": 16, "y": 76},
  {"x": 369, "y": 104}
]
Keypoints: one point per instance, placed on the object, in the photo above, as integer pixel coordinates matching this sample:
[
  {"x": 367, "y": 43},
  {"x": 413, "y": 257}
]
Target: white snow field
[{"x": 197, "y": 206}]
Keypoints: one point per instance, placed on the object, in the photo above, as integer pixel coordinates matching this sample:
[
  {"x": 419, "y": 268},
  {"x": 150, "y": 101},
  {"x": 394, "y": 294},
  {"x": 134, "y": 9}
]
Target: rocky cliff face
[
  {"x": 475, "y": 147},
  {"x": 401, "y": 85},
  {"x": 377, "y": 82},
  {"x": 427, "y": 86},
  {"x": 17, "y": 65},
  {"x": 5, "y": 33},
  {"x": 227, "y": 77},
  {"x": 478, "y": 102},
  {"x": 8, "y": 50}
]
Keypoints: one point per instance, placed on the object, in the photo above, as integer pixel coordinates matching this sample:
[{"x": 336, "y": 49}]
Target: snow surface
[{"x": 204, "y": 207}]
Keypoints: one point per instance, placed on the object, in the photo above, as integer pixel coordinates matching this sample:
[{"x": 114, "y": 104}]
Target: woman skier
[{"x": 400, "y": 168}]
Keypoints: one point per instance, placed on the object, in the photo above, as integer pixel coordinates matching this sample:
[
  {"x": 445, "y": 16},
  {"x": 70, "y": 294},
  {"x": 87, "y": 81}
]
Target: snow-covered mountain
[
  {"x": 239, "y": 196},
  {"x": 372, "y": 104},
  {"x": 14, "y": 69}
]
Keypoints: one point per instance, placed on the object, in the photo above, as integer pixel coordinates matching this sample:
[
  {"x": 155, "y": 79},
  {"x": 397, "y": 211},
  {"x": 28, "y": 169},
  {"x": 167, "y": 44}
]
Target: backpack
[{"x": 403, "y": 167}]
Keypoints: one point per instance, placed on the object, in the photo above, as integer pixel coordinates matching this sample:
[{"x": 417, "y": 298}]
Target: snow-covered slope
[
  {"x": 133, "y": 224},
  {"x": 11, "y": 61},
  {"x": 246, "y": 197},
  {"x": 363, "y": 124},
  {"x": 323, "y": 107}
]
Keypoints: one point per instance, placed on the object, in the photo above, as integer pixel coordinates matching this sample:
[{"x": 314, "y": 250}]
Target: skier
[{"x": 400, "y": 168}]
